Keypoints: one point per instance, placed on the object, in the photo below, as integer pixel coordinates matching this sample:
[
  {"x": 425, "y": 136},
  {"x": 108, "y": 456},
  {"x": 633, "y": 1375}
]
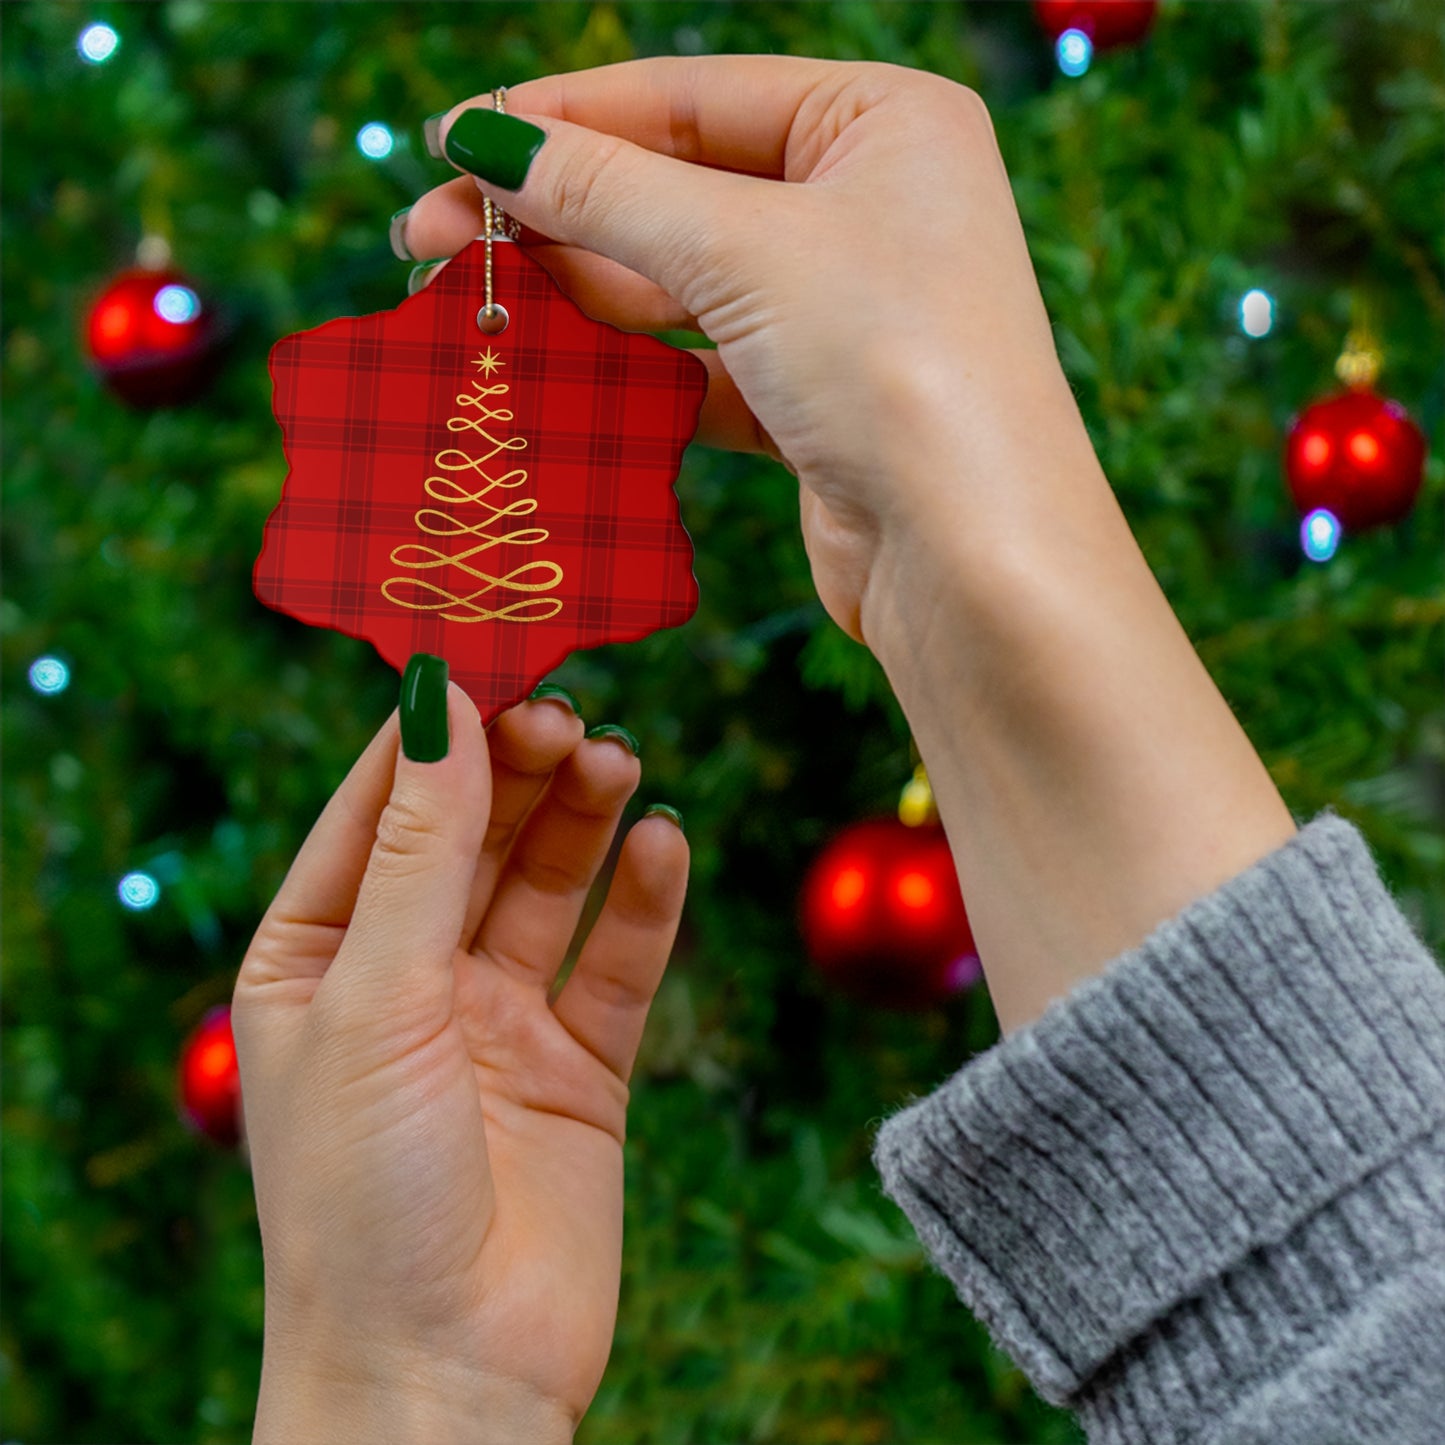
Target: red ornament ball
[
  {"x": 152, "y": 338},
  {"x": 1107, "y": 23},
  {"x": 883, "y": 917},
  {"x": 210, "y": 1081},
  {"x": 1357, "y": 455}
]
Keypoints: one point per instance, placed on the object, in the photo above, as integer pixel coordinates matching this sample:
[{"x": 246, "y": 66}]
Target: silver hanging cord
[
  {"x": 498, "y": 222},
  {"x": 496, "y": 225}
]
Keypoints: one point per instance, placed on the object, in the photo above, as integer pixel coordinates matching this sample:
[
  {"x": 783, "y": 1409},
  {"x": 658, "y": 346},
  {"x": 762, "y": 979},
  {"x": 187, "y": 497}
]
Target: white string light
[{"x": 97, "y": 43}]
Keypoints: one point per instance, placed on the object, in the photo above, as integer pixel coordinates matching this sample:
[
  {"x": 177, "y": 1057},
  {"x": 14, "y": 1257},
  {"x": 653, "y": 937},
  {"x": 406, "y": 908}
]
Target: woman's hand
[
  {"x": 878, "y": 325},
  {"x": 437, "y": 1149},
  {"x": 847, "y": 235}
]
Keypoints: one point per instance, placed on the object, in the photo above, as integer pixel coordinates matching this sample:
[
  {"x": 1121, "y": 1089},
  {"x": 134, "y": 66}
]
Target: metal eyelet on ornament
[{"x": 493, "y": 319}]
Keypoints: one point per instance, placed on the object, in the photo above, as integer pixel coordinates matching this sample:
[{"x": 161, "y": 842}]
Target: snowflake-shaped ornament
[{"x": 497, "y": 500}]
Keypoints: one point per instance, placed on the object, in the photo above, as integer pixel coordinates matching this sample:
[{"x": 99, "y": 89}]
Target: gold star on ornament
[{"x": 488, "y": 361}]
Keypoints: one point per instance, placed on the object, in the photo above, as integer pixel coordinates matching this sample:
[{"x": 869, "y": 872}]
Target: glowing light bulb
[
  {"x": 138, "y": 891},
  {"x": 848, "y": 888},
  {"x": 49, "y": 675},
  {"x": 1319, "y": 535},
  {"x": 1256, "y": 313},
  {"x": 177, "y": 304},
  {"x": 1074, "y": 52},
  {"x": 375, "y": 141},
  {"x": 97, "y": 44}
]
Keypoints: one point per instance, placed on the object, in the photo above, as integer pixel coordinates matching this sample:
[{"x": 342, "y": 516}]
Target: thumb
[
  {"x": 664, "y": 218},
  {"x": 413, "y": 897}
]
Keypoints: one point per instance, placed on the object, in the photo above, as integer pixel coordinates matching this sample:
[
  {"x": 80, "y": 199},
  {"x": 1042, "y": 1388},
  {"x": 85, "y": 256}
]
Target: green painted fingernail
[
  {"x": 431, "y": 133},
  {"x": 613, "y": 730},
  {"x": 422, "y": 273},
  {"x": 396, "y": 231},
  {"x": 663, "y": 810},
  {"x": 424, "y": 734},
  {"x": 498, "y": 148},
  {"x": 550, "y": 689}
]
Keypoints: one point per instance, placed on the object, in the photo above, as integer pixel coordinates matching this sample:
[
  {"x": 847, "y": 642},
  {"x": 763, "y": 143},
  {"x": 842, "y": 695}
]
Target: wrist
[
  {"x": 980, "y": 529},
  {"x": 1092, "y": 779},
  {"x": 991, "y": 469},
  {"x": 391, "y": 1398}
]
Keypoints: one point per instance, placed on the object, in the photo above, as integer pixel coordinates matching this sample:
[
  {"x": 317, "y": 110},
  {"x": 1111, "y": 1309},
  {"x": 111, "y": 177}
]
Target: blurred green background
[{"x": 770, "y": 1292}]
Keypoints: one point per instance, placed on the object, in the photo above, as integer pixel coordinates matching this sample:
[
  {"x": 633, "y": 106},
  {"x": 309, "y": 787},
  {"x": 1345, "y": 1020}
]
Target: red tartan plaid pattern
[{"x": 600, "y": 418}]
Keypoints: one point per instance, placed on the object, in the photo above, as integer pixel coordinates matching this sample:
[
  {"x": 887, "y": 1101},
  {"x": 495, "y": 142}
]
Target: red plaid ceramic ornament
[{"x": 494, "y": 499}]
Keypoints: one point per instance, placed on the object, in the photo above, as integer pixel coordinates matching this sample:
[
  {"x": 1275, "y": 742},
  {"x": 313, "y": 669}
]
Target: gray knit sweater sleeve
[{"x": 1202, "y": 1198}]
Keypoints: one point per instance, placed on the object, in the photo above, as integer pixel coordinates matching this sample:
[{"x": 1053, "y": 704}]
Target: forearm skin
[{"x": 1091, "y": 778}]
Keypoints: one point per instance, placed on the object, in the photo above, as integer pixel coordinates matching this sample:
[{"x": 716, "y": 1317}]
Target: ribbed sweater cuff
[{"x": 1214, "y": 1106}]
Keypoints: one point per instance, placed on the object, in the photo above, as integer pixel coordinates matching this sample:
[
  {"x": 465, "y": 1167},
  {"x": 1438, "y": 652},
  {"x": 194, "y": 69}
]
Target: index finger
[{"x": 734, "y": 112}]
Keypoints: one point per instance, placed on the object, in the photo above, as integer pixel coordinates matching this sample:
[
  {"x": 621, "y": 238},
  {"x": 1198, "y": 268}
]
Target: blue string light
[
  {"x": 1319, "y": 535},
  {"x": 97, "y": 44},
  {"x": 177, "y": 304},
  {"x": 138, "y": 891},
  {"x": 1074, "y": 52},
  {"x": 375, "y": 141},
  {"x": 49, "y": 675},
  {"x": 1256, "y": 313}
]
